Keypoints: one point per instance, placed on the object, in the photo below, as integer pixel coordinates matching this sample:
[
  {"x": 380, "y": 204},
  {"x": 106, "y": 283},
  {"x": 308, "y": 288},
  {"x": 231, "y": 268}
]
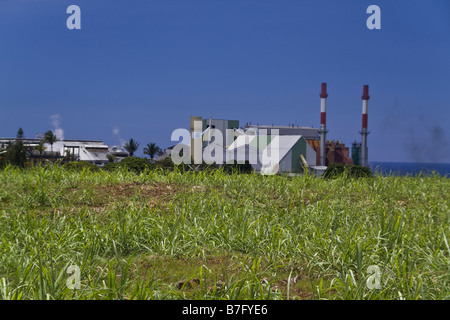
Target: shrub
[
  {"x": 80, "y": 166},
  {"x": 166, "y": 163},
  {"x": 134, "y": 164},
  {"x": 351, "y": 171},
  {"x": 111, "y": 166},
  {"x": 238, "y": 168}
]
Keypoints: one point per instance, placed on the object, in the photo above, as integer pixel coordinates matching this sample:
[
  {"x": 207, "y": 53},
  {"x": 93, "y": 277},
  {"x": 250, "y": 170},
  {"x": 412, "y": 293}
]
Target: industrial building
[
  {"x": 251, "y": 143},
  {"x": 289, "y": 147},
  {"x": 93, "y": 151},
  {"x": 297, "y": 146}
]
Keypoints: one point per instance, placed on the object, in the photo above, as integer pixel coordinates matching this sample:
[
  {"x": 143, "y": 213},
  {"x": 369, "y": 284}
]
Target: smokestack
[
  {"x": 364, "y": 132},
  {"x": 323, "y": 123}
]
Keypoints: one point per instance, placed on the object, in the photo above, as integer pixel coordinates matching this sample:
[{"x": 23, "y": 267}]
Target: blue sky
[{"x": 139, "y": 69}]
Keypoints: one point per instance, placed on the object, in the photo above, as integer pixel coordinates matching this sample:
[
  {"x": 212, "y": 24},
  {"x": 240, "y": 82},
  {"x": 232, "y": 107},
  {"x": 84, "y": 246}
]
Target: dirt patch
[
  {"x": 152, "y": 195},
  {"x": 138, "y": 189},
  {"x": 98, "y": 198},
  {"x": 183, "y": 274}
]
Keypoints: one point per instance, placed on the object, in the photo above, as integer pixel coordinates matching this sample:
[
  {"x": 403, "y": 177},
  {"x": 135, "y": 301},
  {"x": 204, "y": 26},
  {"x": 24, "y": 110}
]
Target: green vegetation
[
  {"x": 152, "y": 150},
  {"x": 350, "y": 171},
  {"x": 80, "y": 166},
  {"x": 238, "y": 167},
  {"x": 168, "y": 234},
  {"x": 15, "y": 153},
  {"x": 134, "y": 164},
  {"x": 111, "y": 157},
  {"x": 50, "y": 138},
  {"x": 131, "y": 146}
]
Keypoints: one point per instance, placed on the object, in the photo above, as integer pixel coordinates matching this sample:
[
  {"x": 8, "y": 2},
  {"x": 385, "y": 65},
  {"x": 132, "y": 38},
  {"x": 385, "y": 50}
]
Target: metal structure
[
  {"x": 323, "y": 124},
  {"x": 364, "y": 132},
  {"x": 305, "y": 132}
]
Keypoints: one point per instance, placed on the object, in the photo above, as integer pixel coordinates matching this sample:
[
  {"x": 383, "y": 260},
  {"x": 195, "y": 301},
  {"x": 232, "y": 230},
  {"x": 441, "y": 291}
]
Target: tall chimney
[
  {"x": 323, "y": 123},
  {"x": 364, "y": 132}
]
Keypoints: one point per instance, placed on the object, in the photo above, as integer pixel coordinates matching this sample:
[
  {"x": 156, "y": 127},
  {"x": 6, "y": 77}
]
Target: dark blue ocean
[{"x": 410, "y": 168}]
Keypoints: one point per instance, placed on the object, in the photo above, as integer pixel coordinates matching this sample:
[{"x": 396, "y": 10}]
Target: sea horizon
[{"x": 410, "y": 168}]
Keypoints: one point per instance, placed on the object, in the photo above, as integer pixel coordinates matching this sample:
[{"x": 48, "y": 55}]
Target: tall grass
[{"x": 222, "y": 236}]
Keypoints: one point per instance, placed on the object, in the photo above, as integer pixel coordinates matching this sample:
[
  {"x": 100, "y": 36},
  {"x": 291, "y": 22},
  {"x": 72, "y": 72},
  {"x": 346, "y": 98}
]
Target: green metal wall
[{"x": 298, "y": 149}]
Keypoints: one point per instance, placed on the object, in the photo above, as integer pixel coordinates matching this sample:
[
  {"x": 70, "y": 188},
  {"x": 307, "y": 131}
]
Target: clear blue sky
[{"x": 139, "y": 69}]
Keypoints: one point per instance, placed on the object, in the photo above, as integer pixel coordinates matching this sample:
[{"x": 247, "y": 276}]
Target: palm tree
[
  {"x": 131, "y": 146},
  {"x": 152, "y": 149},
  {"x": 40, "y": 147},
  {"x": 50, "y": 138}
]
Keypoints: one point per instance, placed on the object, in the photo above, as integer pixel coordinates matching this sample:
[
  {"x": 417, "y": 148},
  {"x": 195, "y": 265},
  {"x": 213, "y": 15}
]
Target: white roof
[
  {"x": 281, "y": 144},
  {"x": 285, "y": 143}
]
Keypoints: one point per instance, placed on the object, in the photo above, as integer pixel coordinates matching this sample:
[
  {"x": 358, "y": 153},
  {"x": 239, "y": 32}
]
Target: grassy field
[{"x": 172, "y": 235}]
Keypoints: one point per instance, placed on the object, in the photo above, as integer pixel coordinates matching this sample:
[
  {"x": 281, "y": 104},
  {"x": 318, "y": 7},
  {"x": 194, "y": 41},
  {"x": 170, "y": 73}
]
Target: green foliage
[
  {"x": 50, "y": 138},
  {"x": 152, "y": 150},
  {"x": 134, "y": 164},
  {"x": 165, "y": 163},
  {"x": 40, "y": 147},
  {"x": 16, "y": 153},
  {"x": 112, "y": 166},
  {"x": 131, "y": 146},
  {"x": 238, "y": 167},
  {"x": 189, "y": 235},
  {"x": 351, "y": 171},
  {"x": 80, "y": 166},
  {"x": 111, "y": 157},
  {"x": 20, "y": 134}
]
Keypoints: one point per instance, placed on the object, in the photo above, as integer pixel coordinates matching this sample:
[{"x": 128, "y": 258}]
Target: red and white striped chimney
[
  {"x": 364, "y": 132},
  {"x": 323, "y": 123}
]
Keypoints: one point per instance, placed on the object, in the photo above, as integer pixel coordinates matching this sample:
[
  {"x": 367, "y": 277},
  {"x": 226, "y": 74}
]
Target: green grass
[{"x": 212, "y": 235}]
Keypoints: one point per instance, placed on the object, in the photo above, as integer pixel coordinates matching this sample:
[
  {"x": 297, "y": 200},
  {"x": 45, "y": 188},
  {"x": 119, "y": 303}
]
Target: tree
[
  {"x": 16, "y": 152},
  {"x": 131, "y": 146},
  {"x": 152, "y": 150},
  {"x": 111, "y": 157},
  {"x": 20, "y": 134},
  {"x": 69, "y": 156},
  {"x": 40, "y": 148},
  {"x": 50, "y": 138}
]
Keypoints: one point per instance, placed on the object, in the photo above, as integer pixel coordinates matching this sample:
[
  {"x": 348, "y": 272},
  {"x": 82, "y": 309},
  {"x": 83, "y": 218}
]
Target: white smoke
[
  {"x": 56, "y": 122},
  {"x": 116, "y": 132}
]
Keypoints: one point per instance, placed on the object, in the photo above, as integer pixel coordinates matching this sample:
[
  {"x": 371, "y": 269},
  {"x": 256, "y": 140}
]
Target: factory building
[
  {"x": 335, "y": 152},
  {"x": 93, "y": 151},
  {"x": 307, "y": 133},
  {"x": 227, "y": 128},
  {"x": 297, "y": 146},
  {"x": 290, "y": 148},
  {"x": 250, "y": 144}
]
